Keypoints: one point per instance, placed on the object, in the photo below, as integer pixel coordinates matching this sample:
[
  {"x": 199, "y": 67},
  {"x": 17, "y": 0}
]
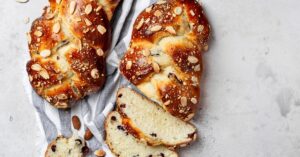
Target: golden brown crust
[
  {"x": 67, "y": 47},
  {"x": 166, "y": 48}
]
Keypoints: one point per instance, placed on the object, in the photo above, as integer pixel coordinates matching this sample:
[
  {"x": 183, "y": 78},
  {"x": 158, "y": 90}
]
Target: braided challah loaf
[
  {"x": 165, "y": 56},
  {"x": 67, "y": 47}
]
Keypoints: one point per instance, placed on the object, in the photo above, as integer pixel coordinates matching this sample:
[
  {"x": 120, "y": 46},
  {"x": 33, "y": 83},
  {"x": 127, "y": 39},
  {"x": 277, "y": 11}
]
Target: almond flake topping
[
  {"x": 88, "y": 9},
  {"x": 161, "y": 2},
  {"x": 72, "y": 7},
  {"x": 193, "y": 59},
  {"x": 101, "y": 29},
  {"x": 194, "y": 100},
  {"x": 128, "y": 65},
  {"x": 44, "y": 74},
  {"x": 200, "y": 28},
  {"x": 58, "y": 1},
  {"x": 140, "y": 24},
  {"x": 197, "y": 67},
  {"x": 170, "y": 29},
  {"x": 38, "y": 33},
  {"x": 87, "y": 22},
  {"x": 149, "y": 9},
  {"x": 100, "y": 52},
  {"x": 192, "y": 13},
  {"x": 183, "y": 101},
  {"x": 178, "y": 10},
  {"x": 45, "y": 53},
  {"x": 56, "y": 28},
  {"x": 167, "y": 103},
  {"x": 156, "y": 67},
  {"x": 95, "y": 73},
  {"x": 28, "y": 38},
  {"x": 155, "y": 28},
  {"x": 36, "y": 67},
  {"x": 157, "y": 13}
]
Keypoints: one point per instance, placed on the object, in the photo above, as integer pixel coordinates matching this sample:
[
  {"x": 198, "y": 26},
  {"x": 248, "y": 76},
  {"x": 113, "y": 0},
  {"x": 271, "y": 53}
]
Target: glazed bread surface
[
  {"x": 67, "y": 46},
  {"x": 123, "y": 144},
  {"x": 149, "y": 122},
  {"x": 164, "y": 59},
  {"x": 67, "y": 147}
]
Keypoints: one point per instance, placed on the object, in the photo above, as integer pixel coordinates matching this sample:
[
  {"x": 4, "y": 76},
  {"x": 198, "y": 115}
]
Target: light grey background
[{"x": 250, "y": 91}]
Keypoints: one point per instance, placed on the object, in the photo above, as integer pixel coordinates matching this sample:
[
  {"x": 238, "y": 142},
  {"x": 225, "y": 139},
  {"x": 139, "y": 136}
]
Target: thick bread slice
[
  {"x": 67, "y": 147},
  {"x": 123, "y": 144},
  {"x": 148, "y": 121}
]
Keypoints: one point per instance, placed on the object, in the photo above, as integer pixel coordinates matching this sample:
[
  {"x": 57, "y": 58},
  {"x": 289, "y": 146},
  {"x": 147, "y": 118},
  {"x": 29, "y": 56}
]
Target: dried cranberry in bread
[
  {"x": 149, "y": 122},
  {"x": 67, "y": 47},
  {"x": 165, "y": 56},
  {"x": 123, "y": 144},
  {"x": 63, "y": 147}
]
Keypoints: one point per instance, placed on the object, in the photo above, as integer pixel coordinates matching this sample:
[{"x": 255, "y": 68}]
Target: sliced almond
[
  {"x": 30, "y": 78},
  {"x": 100, "y": 52},
  {"x": 194, "y": 79},
  {"x": 95, "y": 73},
  {"x": 140, "y": 24},
  {"x": 56, "y": 27},
  {"x": 101, "y": 29},
  {"x": 98, "y": 8},
  {"x": 161, "y": 2},
  {"x": 200, "y": 28},
  {"x": 87, "y": 22},
  {"x": 193, "y": 59},
  {"x": 149, "y": 9},
  {"x": 44, "y": 74},
  {"x": 72, "y": 7},
  {"x": 192, "y": 13},
  {"x": 128, "y": 65},
  {"x": 76, "y": 122},
  {"x": 58, "y": 1},
  {"x": 88, "y": 9},
  {"x": 155, "y": 28},
  {"x": 170, "y": 29},
  {"x": 45, "y": 53},
  {"x": 157, "y": 13},
  {"x": 38, "y": 33},
  {"x": 183, "y": 101},
  {"x": 36, "y": 67},
  {"x": 194, "y": 100},
  {"x": 28, "y": 38},
  {"x": 88, "y": 134},
  {"x": 167, "y": 103},
  {"x": 178, "y": 10},
  {"x": 197, "y": 67},
  {"x": 62, "y": 97},
  {"x": 100, "y": 153},
  {"x": 156, "y": 67}
]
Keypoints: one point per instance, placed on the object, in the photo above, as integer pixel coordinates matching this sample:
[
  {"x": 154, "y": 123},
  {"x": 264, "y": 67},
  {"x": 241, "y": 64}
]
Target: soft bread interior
[
  {"x": 151, "y": 122},
  {"x": 125, "y": 145}
]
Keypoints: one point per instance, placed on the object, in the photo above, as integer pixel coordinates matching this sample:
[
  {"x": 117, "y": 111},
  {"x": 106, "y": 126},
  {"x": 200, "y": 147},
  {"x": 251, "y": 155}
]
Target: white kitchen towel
[{"x": 93, "y": 109}]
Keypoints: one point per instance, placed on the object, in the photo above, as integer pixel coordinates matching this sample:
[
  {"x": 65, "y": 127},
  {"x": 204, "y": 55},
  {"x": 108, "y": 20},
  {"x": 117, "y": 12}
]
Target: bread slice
[
  {"x": 123, "y": 144},
  {"x": 63, "y": 147},
  {"x": 148, "y": 121}
]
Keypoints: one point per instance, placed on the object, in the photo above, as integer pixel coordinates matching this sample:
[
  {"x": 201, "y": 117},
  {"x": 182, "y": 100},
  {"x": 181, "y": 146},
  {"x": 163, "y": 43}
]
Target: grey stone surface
[{"x": 250, "y": 92}]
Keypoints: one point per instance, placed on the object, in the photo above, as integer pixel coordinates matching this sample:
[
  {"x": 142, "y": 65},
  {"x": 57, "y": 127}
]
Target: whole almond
[
  {"x": 76, "y": 122},
  {"x": 88, "y": 134},
  {"x": 100, "y": 153}
]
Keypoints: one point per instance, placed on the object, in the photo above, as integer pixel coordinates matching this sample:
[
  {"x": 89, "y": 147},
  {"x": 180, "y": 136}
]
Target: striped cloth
[{"x": 93, "y": 109}]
